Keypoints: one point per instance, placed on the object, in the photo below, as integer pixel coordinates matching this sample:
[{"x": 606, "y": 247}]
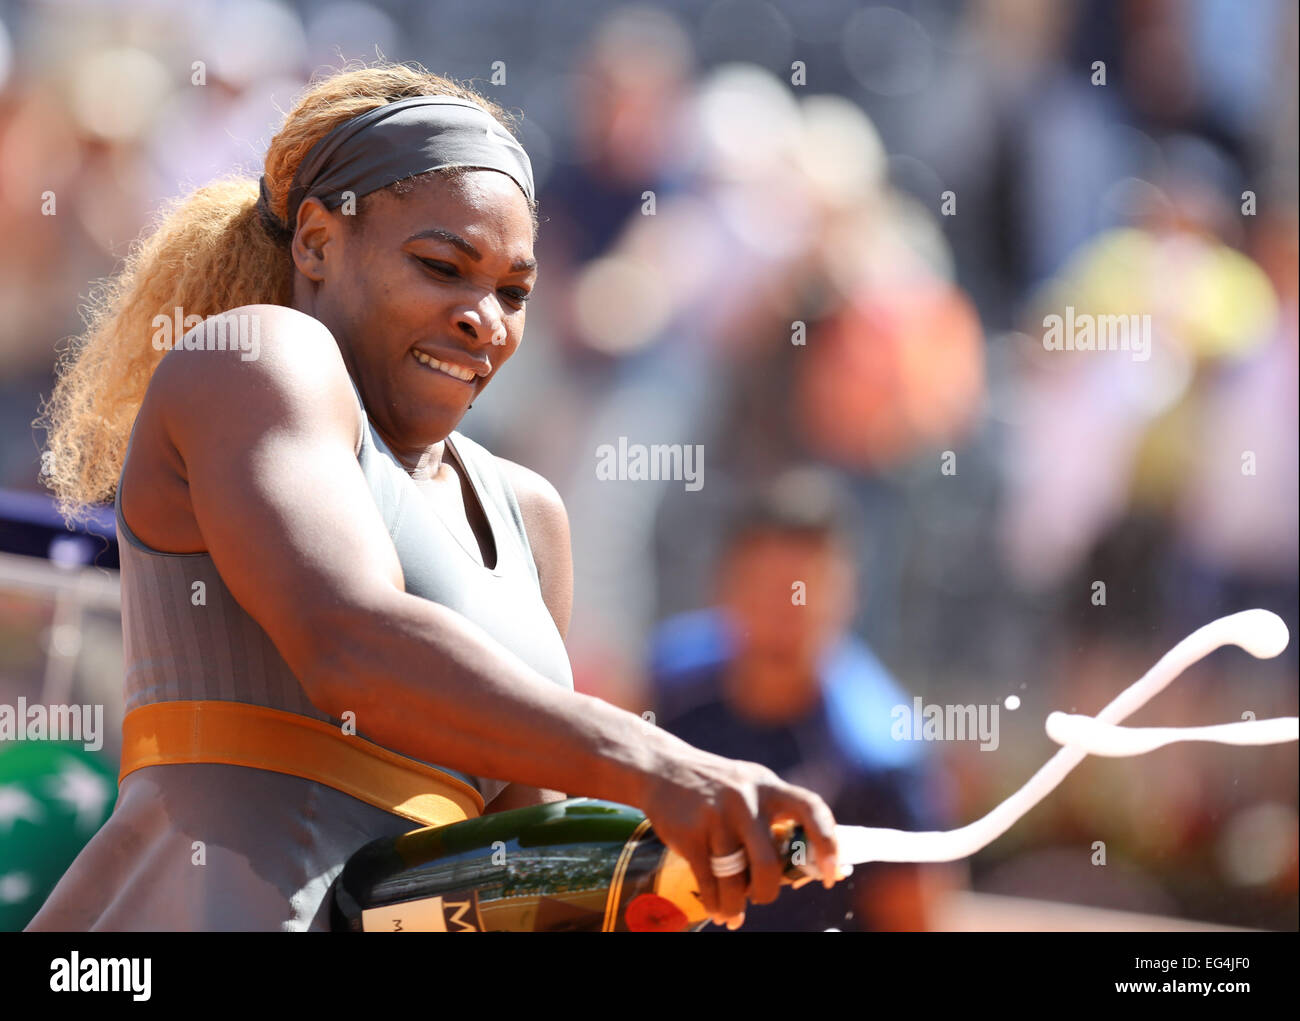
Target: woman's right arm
[{"x": 268, "y": 452}]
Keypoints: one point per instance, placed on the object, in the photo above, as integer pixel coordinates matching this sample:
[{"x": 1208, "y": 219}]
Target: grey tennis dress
[{"x": 223, "y": 847}]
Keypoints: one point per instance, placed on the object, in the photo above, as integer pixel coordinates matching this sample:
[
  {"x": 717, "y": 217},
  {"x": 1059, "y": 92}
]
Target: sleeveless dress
[{"x": 209, "y": 846}]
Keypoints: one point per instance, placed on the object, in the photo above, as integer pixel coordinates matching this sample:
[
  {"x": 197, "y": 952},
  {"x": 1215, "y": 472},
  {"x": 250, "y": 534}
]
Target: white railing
[{"x": 74, "y": 589}]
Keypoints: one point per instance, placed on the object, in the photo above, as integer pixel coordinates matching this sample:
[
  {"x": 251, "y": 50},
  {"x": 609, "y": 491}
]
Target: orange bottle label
[
  {"x": 676, "y": 882},
  {"x": 648, "y": 912}
]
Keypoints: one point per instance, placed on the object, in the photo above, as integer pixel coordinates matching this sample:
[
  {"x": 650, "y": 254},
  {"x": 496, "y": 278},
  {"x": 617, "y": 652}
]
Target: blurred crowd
[{"x": 822, "y": 233}]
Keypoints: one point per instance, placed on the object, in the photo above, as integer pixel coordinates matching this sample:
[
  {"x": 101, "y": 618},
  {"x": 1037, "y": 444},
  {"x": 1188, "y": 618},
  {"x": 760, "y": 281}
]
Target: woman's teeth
[{"x": 465, "y": 375}]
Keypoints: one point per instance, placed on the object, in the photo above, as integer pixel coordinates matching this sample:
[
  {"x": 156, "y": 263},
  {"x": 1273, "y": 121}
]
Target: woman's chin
[
  {"x": 437, "y": 427},
  {"x": 423, "y": 426}
]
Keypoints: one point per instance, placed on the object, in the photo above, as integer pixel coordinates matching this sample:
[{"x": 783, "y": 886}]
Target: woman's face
[{"x": 420, "y": 291}]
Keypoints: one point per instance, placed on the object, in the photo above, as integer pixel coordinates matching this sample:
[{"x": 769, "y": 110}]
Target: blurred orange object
[{"x": 896, "y": 371}]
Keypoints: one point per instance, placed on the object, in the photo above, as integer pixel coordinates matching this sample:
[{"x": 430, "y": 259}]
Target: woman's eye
[
  {"x": 516, "y": 295},
  {"x": 440, "y": 267}
]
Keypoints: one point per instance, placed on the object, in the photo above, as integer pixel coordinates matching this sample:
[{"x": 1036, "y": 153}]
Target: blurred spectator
[
  {"x": 771, "y": 676},
  {"x": 1204, "y": 309}
]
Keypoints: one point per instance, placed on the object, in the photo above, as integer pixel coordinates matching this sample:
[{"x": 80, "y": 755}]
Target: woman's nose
[{"x": 483, "y": 322}]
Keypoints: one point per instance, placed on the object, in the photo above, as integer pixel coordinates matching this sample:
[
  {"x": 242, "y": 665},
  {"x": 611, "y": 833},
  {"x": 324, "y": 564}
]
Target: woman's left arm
[{"x": 547, "y": 525}]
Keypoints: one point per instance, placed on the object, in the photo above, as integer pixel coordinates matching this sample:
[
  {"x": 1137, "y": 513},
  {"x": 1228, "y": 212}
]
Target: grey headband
[{"x": 393, "y": 142}]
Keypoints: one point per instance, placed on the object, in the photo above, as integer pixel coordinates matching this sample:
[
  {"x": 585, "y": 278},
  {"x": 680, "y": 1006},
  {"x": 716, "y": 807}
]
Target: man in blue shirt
[{"x": 771, "y": 675}]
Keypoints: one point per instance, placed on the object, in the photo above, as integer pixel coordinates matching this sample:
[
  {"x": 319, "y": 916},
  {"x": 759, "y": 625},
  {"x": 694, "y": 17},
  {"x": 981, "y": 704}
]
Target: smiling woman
[{"x": 342, "y": 617}]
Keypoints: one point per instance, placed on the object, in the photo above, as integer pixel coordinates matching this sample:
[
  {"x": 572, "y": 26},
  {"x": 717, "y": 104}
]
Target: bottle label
[
  {"x": 657, "y": 892},
  {"x": 619, "y": 888},
  {"x": 457, "y": 912},
  {"x": 675, "y": 881},
  {"x": 648, "y": 912}
]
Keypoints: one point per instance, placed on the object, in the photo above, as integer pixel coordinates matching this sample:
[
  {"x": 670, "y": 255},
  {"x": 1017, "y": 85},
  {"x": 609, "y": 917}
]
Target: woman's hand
[{"x": 703, "y": 805}]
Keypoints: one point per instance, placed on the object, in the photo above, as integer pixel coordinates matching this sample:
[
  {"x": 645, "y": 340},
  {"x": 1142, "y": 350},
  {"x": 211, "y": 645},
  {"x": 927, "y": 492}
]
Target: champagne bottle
[{"x": 578, "y": 865}]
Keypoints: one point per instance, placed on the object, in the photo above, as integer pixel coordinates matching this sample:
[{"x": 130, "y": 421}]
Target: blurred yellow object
[{"x": 1203, "y": 296}]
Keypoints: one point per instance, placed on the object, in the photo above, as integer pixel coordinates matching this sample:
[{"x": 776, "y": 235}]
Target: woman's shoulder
[
  {"x": 248, "y": 332},
  {"x": 545, "y": 524},
  {"x": 537, "y": 498},
  {"x": 253, "y": 356},
  {"x": 268, "y": 344},
  {"x": 253, "y": 332}
]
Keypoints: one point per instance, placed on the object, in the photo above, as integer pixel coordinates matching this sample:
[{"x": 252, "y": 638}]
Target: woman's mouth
[{"x": 446, "y": 368}]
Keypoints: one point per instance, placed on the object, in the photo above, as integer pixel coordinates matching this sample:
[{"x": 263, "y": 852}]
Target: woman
[{"x": 343, "y": 618}]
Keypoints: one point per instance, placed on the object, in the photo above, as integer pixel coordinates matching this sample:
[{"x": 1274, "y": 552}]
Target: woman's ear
[{"x": 314, "y": 239}]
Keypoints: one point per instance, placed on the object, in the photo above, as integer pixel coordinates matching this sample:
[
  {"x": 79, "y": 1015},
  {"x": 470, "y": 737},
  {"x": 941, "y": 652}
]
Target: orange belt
[{"x": 238, "y": 734}]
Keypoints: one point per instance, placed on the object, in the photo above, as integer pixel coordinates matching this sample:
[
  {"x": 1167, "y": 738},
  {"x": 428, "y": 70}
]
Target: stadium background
[{"x": 942, "y": 177}]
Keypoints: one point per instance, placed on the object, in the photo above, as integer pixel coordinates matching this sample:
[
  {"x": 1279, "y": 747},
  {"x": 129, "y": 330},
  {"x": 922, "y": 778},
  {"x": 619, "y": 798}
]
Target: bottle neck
[{"x": 676, "y": 879}]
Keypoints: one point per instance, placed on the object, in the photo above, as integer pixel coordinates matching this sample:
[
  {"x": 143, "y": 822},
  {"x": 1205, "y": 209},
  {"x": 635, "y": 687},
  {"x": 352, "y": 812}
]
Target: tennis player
[{"x": 343, "y": 618}]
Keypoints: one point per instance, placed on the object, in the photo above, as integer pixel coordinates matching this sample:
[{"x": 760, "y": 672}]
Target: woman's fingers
[
  {"x": 731, "y": 889},
  {"x": 697, "y": 856},
  {"x": 812, "y": 813},
  {"x": 764, "y": 878}
]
